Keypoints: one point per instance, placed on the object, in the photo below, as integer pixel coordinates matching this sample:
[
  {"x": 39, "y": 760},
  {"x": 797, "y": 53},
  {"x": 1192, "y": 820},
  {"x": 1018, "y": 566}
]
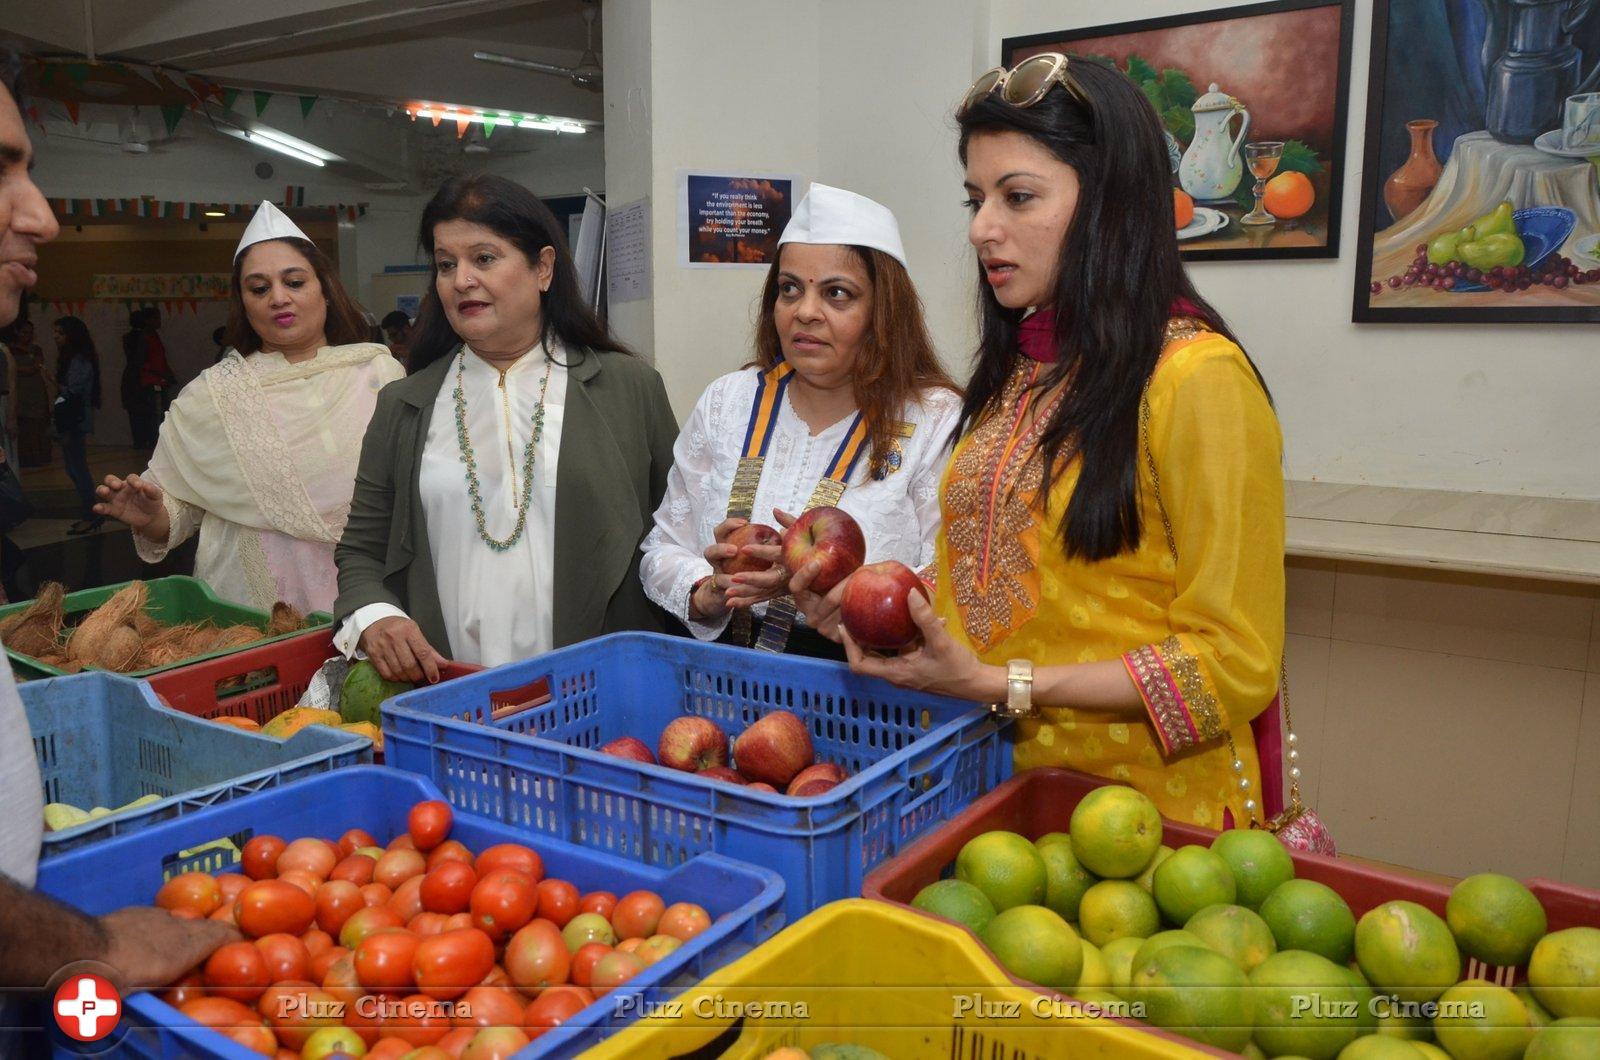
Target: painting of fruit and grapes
[
  {"x": 1480, "y": 197},
  {"x": 1253, "y": 103}
]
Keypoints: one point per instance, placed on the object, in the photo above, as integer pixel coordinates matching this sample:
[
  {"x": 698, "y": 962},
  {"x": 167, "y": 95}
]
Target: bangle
[{"x": 1019, "y": 690}]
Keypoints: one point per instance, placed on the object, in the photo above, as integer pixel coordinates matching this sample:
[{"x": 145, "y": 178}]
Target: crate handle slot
[
  {"x": 514, "y": 701},
  {"x": 239, "y": 684}
]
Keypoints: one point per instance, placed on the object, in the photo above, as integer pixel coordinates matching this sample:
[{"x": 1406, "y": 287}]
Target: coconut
[
  {"x": 285, "y": 619},
  {"x": 119, "y": 650},
  {"x": 89, "y": 641},
  {"x": 36, "y": 630},
  {"x": 147, "y": 626},
  {"x": 236, "y": 637},
  {"x": 169, "y": 646}
]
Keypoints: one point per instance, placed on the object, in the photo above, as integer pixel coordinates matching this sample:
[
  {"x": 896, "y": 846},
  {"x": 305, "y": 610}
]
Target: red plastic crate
[
  {"x": 259, "y": 683},
  {"x": 1042, "y": 800}
]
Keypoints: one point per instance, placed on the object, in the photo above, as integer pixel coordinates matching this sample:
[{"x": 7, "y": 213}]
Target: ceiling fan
[{"x": 587, "y": 74}]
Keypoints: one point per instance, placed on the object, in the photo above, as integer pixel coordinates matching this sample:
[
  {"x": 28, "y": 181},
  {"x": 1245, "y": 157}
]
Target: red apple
[
  {"x": 876, "y": 605},
  {"x": 820, "y": 771},
  {"x": 830, "y": 537},
  {"x": 629, "y": 747},
  {"x": 814, "y": 786},
  {"x": 774, "y": 749},
  {"x": 732, "y": 776},
  {"x": 758, "y": 786},
  {"x": 750, "y": 534},
  {"x": 692, "y": 744}
]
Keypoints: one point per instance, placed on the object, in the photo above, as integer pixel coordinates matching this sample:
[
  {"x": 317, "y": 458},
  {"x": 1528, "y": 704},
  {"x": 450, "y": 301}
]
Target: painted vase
[{"x": 1408, "y": 187}]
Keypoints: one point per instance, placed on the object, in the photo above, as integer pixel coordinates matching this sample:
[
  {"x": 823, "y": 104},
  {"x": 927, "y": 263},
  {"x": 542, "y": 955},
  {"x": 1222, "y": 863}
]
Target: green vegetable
[{"x": 364, "y": 691}]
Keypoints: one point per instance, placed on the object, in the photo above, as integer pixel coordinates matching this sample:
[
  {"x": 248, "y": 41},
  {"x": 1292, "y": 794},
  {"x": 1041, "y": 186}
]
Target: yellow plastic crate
[{"x": 871, "y": 974}]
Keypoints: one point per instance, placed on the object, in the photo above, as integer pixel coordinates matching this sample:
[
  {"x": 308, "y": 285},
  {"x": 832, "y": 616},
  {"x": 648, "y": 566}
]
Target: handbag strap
[{"x": 1296, "y": 807}]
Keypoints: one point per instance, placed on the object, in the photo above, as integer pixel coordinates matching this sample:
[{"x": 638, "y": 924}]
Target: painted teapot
[{"x": 1211, "y": 167}]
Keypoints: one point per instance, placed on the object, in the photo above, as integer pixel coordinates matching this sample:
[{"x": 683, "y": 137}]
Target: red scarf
[{"x": 1036, "y": 336}]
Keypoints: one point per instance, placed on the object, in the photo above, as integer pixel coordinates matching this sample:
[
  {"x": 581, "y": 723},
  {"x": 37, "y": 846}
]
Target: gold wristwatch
[{"x": 1019, "y": 690}]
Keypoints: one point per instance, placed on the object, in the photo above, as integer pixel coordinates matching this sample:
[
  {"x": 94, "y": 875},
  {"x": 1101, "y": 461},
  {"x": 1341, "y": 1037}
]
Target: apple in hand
[
  {"x": 876, "y": 605},
  {"x": 829, "y": 536},
  {"x": 774, "y": 749},
  {"x": 629, "y": 747},
  {"x": 692, "y": 743},
  {"x": 750, "y": 534}
]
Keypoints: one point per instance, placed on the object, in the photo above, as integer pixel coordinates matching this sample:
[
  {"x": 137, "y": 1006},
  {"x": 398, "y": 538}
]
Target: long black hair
[
  {"x": 514, "y": 213},
  {"x": 79, "y": 344},
  {"x": 1118, "y": 277}
]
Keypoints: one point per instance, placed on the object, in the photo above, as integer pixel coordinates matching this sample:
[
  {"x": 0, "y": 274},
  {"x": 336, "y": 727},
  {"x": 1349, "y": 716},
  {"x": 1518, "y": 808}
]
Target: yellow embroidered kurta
[{"x": 1201, "y": 636}]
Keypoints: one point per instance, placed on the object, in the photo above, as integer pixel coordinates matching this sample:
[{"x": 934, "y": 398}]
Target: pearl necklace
[{"x": 471, "y": 462}]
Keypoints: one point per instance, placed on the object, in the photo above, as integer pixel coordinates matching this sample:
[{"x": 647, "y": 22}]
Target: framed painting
[
  {"x": 1480, "y": 200},
  {"x": 1253, "y": 100}
]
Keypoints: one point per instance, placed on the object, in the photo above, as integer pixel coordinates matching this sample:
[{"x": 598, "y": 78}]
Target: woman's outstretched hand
[{"x": 136, "y": 502}]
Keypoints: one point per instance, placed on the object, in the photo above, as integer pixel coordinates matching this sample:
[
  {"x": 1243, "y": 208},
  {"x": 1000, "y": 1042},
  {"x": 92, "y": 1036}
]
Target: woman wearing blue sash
[{"x": 845, "y": 405}]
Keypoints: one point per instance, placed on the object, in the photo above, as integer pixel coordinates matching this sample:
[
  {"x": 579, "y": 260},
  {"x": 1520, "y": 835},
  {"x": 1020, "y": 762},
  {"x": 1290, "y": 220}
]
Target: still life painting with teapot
[
  {"x": 1253, "y": 103},
  {"x": 1480, "y": 198}
]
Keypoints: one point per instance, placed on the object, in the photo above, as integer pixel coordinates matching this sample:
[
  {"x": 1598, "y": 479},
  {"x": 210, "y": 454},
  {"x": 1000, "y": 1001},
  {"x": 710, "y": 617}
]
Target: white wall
[{"x": 1498, "y": 408}]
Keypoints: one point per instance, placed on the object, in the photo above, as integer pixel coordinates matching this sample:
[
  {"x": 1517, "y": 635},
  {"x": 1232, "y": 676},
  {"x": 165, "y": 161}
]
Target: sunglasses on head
[{"x": 1026, "y": 83}]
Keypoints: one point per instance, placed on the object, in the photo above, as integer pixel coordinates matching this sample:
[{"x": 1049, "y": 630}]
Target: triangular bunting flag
[
  {"x": 228, "y": 97},
  {"x": 150, "y": 74},
  {"x": 306, "y": 103},
  {"x": 262, "y": 99},
  {"x": 438, "y": 116},
  {"x": 489, "y": 122},
  {"x": 72, "y": 110},
  {"x": 172, "y": 114},
  {"x": 463, "y": 123}
]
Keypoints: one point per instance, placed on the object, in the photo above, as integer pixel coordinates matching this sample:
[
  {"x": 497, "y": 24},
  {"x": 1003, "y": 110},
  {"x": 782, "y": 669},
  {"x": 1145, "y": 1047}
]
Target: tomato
[
  {"x": 489, "y": 1006},
  {"x": 510, "y": 856},
  {"x": 383, "y": 961},
  {"x": 420, "y": 1020},
  {"x": 612, "y": 970},
  {"x": 448, "y": 965},
  {"x": 363, "y": 922},
  {"x": 448, "y": 888},
  {"x": 318, "y": 968},
  {"x": 601, "y": 902},
  {"x": 298, "y": 1011},
  {"x": 234, "y": 1021},
  {"x": 427, "y": 924},
  {"x": 356, "y": 869},
  {"x": 403, "y": 841},
  {"x": 341, "y": 980},
  {"x": 449, "y": 850},
  {"x": 537, "y": 957},
  {"x": 432, "y": 1052},
  {"x": 330, "y": 1043},
  {"x": 223, "y": 912},
  {"x": 397, "y": 866},
  {"x": 583, "y": 961},
  {"x": 428, "y": 823},
  {"x": 270, "y": 907},
  {"x": 656, "y": 947},
  {"x": 354, "y": 840},
  {"x": 376, "y": 894},
  {"x": 495, "y": 1043},
  {"x": 272, "y": 998},
  {"x": 337, "y": 901},
  {"x": 454, "y": 1043},
  {"x": 457, "y": 921},
  {"x": 316, "y": 941},
  {"x": 317, "y": 857},
  {"x": 260, "y": 856},
  {"x": 503, "y": 901},
  {"x": 301, "y": 879},
  {"x": 555, "y": 1007},
  {"x": 637, "y": 914},
  {"x": 185, "y": 990},
  {"x": 231, "y": 883},
  {"x": 197, "y": 892},
  {"x": 366, "y": 1018},
  {"x": 407, "y": 898},
  {"x": 237, "y": 971},
  {"x": 558, "y": 901},
  {"x": 683, "y": 920},
  {"x": 286, "y": 956},
  {"x": 629, "y": 945}
]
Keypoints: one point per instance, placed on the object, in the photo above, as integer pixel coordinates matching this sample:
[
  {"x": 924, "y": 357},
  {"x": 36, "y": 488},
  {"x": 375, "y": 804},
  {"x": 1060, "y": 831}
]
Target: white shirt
[
  {"x": 899, "y": 514},
  {"x": 497, "y": 606}
]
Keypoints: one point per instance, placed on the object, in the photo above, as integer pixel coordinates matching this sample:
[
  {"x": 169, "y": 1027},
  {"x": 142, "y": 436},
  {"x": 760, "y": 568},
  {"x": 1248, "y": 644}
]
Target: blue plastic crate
[
  {"x": 105, "y": 740},
  {"x": 517, "y": 744},
  {"x": 745, "y": 902}
]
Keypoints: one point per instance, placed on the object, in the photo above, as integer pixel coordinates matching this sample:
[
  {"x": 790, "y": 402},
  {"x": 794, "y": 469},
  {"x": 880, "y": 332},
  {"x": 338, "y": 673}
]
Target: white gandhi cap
[
  {"x": 268, "y": 223},
  {"x": 838, "y": 217}
]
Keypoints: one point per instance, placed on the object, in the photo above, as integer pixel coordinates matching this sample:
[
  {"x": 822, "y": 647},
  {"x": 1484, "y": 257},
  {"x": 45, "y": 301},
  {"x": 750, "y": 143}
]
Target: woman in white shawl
[{"x": 259, "y": 453}]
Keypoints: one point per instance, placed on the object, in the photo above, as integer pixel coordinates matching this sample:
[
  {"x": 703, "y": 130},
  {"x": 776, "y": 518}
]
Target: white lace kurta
[
  {"x": 899, "y": 514},
  {"x": 259, "y": 456},
  {"x": 498, "y": 606}
]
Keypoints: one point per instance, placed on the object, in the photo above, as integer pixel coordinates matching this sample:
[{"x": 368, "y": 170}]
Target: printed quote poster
[{"x": 729, "y": 219}]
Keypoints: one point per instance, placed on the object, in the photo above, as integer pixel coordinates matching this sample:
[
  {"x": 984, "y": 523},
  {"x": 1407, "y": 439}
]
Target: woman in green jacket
[{"x": 505, "y": 485}]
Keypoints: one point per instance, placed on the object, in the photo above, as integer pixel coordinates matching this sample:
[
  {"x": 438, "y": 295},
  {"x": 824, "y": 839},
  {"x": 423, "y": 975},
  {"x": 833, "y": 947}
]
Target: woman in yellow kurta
[{"x": 1113, "y": 511}]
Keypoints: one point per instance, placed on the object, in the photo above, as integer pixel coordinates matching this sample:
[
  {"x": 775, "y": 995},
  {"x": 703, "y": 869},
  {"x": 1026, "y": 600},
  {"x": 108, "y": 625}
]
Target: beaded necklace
[{"x": 471, "y": 461}]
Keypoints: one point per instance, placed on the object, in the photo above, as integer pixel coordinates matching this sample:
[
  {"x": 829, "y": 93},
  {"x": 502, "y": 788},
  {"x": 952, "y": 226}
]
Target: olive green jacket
[{"x": 617, "y": 432}]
